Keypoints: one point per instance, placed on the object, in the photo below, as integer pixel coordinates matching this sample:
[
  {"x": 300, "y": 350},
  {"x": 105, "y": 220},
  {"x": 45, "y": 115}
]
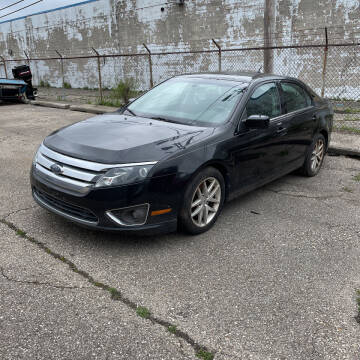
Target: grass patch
[
  {"x": 115, "y": 294},
  {"x": 124, "y": 91},
  {"x": 356, "y": 177},
  {"x": 347, "y": 189},
  {"x": 340, "y": 110},
  {"x": 44, "y": 84},
  {"x": 143, "y": 312},
  {"x": 172, "y": 329},
  {"x": 20, "y": 233},
  {"x": 351, "y": 111},
  {"x": 337, "y": 98},
  {"x": 110, "y": 102},
  {"x": 112, "y": 291},
  {"x": 120, "y": 94},
  {"x": 348, "y": 129},
  {"x": 98, "y": 284},
  {"x": 349, "y": 118},
  {"x": 66, "y": 85},
  {"x": 205, "y": 355}
]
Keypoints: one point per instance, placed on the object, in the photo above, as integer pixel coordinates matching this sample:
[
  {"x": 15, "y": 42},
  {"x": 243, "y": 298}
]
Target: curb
[
  {"x": 49, "y": 104},
  {"x": 91, "y": 109},
  {"x": 339, "y": 151}
]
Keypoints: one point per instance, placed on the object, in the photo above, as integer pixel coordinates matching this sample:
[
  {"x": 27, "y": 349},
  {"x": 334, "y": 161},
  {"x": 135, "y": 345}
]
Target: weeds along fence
[{"x": 332, "y": 70}]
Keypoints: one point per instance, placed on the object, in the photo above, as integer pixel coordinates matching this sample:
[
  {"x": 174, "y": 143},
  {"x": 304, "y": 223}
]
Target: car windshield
[{"x": 193, "y": 101}]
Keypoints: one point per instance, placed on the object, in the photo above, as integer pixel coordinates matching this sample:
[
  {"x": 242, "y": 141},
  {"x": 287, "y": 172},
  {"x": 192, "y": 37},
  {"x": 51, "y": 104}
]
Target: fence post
[
  {"x": 99, "y": 73},
  {"x": 219, "y": 48},
  {"x": 61, "y": 67},
  {"x": 150, "y": 66},
  {"x": 324, "y": 63},
  {"x": 62, "y": 73},
  {"x": 4, "y": 62},
  {"x": 27, "y": 57}
]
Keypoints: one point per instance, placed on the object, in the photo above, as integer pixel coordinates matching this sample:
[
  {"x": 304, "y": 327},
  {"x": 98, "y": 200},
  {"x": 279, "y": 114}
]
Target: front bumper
[{"x": 90, "y": 210}]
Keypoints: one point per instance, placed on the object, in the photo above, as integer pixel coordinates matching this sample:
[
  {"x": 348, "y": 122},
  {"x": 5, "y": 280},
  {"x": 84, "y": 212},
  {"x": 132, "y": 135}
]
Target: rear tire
[
  {"x": 314, "y": 157},
  {"x": 203, "y": 201}
]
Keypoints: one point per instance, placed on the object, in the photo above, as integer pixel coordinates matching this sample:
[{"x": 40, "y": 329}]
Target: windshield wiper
[
  {"x": 130, "y": 111},
  {"x": 162, "y": 119}
]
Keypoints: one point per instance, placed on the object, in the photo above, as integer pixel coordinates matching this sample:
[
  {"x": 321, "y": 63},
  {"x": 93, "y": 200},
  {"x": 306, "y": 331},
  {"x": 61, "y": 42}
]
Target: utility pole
[{"x": 269, "y": 27}]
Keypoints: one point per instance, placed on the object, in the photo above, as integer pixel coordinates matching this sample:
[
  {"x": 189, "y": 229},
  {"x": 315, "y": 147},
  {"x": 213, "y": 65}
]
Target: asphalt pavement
[{"x": 276, "y": 278}]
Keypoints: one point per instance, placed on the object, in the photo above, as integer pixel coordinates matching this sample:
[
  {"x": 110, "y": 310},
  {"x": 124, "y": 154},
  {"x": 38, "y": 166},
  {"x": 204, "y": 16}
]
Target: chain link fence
[
  {"x": 342, "y": 86},
  {"x": 330, "y": 70}
]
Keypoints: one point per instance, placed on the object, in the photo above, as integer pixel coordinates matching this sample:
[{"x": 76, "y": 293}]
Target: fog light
[{"x": 130, "y": 216}]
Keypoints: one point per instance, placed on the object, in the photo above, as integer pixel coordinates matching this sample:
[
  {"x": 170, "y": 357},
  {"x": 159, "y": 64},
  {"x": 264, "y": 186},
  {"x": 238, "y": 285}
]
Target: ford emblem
[{"x": 56, "y": 169}]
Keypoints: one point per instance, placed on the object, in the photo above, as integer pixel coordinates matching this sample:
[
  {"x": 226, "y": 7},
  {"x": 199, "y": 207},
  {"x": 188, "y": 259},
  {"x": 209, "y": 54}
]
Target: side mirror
[{"x": 257, "y": 122}]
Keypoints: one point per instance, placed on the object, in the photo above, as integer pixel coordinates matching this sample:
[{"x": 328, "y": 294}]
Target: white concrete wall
[{"x": 121, "y": 26}]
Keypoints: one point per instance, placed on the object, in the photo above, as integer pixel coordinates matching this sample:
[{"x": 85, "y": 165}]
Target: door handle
[
  {"x": 281, "y": 130},
  {"x": 314, "y": 118}
]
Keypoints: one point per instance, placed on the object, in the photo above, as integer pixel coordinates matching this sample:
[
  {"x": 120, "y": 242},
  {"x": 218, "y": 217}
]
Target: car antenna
[{"x": 260, "y": 68}]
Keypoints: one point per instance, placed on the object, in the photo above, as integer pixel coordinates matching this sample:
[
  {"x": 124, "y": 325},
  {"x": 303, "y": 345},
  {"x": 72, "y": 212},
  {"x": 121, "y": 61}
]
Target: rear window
[{"x": 295, "y": 98}]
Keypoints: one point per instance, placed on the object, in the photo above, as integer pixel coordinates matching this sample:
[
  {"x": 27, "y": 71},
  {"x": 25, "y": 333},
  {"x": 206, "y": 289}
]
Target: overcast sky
[{"x": 41, "y": 6}]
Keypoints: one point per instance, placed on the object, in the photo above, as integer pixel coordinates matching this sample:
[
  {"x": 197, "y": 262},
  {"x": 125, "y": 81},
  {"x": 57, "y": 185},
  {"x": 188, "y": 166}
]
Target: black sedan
[{"x": 172, "y": 157}]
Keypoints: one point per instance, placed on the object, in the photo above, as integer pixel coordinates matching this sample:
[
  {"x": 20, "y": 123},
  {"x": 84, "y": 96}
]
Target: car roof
[{"x": 242, "y": 76}]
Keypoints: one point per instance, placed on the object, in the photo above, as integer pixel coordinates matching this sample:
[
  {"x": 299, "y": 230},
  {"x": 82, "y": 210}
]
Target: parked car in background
[{"x": 172, "y": 157}]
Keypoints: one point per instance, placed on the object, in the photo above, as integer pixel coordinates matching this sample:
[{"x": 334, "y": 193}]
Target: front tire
[
  {"x": 203, "y": 201},
  {"x": 315, "y": 156}
]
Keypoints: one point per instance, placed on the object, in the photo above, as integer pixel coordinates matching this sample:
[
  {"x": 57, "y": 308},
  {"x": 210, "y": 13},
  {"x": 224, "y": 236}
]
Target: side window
[
  {"x": 265, "y": 100},
  {"x": 294, "y": 97}
]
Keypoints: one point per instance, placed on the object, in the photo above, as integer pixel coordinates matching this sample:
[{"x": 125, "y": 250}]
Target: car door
[
  {"x": 258, "y": 154},
  {"x": 299, "y": 118}
]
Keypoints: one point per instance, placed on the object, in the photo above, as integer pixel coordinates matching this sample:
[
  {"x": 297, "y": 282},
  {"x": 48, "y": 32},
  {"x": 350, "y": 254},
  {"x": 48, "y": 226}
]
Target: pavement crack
[
  {"x": 181, "y": 348},
  {"x": 297, "y": 195},
  {"x": 35, "y": 282},
  {"x": 17, "y": 211},
  {"x": 201, "y": 351}
]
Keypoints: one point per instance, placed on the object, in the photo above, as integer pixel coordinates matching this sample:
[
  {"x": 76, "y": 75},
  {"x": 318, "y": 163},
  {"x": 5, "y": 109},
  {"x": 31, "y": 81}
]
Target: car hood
[{"x": 115, "y": 139}]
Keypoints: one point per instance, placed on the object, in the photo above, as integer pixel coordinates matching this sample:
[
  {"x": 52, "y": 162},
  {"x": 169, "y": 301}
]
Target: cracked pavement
[{"x": 276, "y": 278}]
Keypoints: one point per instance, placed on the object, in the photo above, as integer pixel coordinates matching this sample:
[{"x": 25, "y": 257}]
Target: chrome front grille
[
  {"x": 71, "y": 174},
  {"x": 74, "y": 175}
]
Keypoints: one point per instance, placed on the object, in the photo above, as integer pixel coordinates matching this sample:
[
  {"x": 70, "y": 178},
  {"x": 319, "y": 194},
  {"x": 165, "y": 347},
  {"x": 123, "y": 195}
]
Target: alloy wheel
[
  {"x": 317, "y": 155},
  {"x": 205, "y": 202}
]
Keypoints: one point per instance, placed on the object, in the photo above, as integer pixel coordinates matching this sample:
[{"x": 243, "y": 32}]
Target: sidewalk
[{"x": 345, "y": 144}]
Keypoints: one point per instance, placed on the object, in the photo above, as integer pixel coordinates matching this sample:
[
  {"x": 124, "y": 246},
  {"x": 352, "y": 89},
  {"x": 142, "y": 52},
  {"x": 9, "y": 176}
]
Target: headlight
[{"x": 124, "y": 175}]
